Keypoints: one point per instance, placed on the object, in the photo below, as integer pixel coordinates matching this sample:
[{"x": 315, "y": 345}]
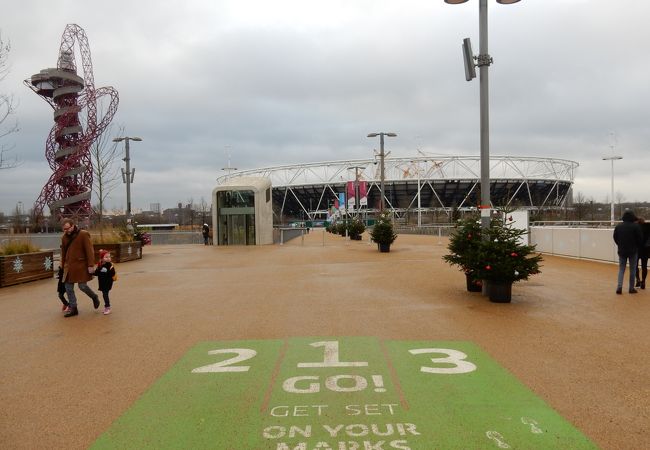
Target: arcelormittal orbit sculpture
[{"x": 76, "y": 127}]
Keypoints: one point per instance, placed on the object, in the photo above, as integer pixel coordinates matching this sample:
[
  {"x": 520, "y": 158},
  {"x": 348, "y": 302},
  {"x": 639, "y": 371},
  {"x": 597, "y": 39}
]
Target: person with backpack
[{"x": 105, "y": 273}]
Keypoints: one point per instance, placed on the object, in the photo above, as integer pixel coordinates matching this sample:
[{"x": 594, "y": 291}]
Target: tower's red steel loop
[{"x": 67, "y": 148}]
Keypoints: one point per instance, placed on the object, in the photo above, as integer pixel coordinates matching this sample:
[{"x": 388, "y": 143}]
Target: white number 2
[
  {"x": 454, "y": 357},
  {"x": 226, "y": 365}
]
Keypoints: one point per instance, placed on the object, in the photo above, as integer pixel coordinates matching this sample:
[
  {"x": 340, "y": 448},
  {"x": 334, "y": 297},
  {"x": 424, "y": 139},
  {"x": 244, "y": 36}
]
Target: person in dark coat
[
  {"x": 60, "y": 289},
  {"x": 628, "y": 238},
  {"x": 644, "y": 252},
  {"x": 105, "y": 273},
  {"x": 78, "y": 262},
  {"x": 206, "y": 234}
]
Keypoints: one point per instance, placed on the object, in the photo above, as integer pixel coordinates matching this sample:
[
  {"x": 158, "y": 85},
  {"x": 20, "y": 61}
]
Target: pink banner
[{"x": 363, "y": 193}]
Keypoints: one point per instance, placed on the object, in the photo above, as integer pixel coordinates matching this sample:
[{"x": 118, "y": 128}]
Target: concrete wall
[{"x": 587, "y": 243}]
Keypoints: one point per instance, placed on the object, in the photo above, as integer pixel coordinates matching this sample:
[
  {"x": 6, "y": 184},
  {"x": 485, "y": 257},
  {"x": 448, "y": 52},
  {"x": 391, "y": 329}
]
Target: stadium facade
[{"x": 428, "y": 187}]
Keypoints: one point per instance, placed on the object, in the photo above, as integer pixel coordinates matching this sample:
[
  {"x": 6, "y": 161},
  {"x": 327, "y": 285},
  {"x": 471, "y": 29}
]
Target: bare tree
[
  {"x": 205, "y": 209},
  {"x": 619, "y": 199},
  {"x": 103, "y": 154},
  {"x": 190, "y": 211},
  {"x": 580, "y": 203},
  {"x": 7, "y": 108}
]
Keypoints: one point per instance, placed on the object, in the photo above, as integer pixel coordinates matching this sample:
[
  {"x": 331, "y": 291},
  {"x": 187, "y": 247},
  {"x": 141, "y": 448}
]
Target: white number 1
[
  {"x": 331, "y": 357},
  {"x": 453, "y": 357}
]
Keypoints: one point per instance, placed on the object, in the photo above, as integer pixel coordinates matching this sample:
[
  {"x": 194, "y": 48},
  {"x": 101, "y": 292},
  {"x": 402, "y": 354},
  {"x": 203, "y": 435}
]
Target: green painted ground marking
[{"x": 351, "y": 393}]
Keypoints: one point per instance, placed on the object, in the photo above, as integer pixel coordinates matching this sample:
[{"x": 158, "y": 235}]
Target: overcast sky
[{"x": 289, "y": 81}]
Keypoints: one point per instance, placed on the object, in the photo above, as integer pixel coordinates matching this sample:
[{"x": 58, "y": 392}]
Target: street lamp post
[
  {"x": 381, "y": 166},
  {"x": 483, "y": 61},
  {"x": 127, "y": 176},
  {"x": 357, "y": 200},
  {"x": 417, "y": 163},
  {"x": 612, "y": 159}
]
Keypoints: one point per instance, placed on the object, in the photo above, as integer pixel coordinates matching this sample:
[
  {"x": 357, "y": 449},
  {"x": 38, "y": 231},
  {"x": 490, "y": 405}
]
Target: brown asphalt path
[{"x": 566, "y": 335}]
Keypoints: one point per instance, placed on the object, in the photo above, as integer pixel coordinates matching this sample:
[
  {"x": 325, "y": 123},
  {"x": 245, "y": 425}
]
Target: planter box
[
  {"x": 121, "y": 252},
  {"x": 500, "y": 292},
  {"x": 383, "y": 248},
  {"x": 24, "y": 267},
  {"x": 472, "y": 284}
]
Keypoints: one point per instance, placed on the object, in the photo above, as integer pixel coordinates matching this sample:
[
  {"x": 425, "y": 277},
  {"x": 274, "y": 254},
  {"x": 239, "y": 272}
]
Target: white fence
[{"x": 587, "y": 243}]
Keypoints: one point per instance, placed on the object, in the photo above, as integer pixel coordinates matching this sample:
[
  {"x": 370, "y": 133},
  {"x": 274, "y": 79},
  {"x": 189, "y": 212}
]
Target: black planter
[
  {"x": 500, "y": 292},
  {"x": 472, "y": 284},
  {"x": 356, "y": 237},
  {"x": 384, "y": 248}
]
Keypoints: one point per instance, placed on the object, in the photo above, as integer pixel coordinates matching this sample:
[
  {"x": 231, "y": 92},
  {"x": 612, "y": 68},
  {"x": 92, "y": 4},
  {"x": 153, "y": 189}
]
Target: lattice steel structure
[
  {"x": 67, "y": 149},
  {"x": 435, "y": 183}
]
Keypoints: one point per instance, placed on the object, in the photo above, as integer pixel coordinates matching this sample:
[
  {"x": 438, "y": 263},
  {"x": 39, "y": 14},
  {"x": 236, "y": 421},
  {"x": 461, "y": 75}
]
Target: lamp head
[
  {"x": 118, "y": 139},
  {"x": 373, "y": 135},
  {"x": 503, "y": 2},
  {"x": 135, "y": 139}
]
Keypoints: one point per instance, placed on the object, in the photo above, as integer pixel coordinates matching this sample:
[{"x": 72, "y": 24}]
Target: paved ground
[{"x": 566, "y": 336}]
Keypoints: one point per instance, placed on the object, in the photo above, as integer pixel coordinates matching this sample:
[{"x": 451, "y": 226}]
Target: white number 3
[{"x": 454, "y": 357}]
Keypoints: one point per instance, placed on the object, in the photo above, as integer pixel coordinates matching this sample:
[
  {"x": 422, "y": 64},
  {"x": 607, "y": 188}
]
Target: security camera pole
[
  {"x": 381, "y": 167},
  {"x": 483, "y": 62},
  {"x": 127, "y": 176}
]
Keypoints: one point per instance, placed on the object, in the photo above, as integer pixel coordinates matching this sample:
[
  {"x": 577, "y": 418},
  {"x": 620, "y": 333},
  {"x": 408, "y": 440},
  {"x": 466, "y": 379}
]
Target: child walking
[
  {"x": 60, "y": 289},
  {"x": 105, "y": 273}
]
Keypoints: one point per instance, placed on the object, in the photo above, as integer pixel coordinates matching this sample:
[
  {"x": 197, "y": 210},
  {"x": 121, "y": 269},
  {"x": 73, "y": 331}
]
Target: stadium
[{"x": 423, "y": 188}]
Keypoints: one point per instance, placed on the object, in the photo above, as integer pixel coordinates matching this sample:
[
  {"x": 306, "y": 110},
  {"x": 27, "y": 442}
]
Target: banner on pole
[{"x": 363, "y": 193}]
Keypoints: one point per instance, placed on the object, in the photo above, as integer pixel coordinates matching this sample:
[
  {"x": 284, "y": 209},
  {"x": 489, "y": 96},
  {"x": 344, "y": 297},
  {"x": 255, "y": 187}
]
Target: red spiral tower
[{"x": 67, "y": 149}]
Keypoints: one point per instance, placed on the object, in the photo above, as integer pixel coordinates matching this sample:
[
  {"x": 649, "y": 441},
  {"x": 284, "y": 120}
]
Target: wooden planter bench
[
  {"x": 24, "y": 267},
  {"x": 121, "y": 252}
]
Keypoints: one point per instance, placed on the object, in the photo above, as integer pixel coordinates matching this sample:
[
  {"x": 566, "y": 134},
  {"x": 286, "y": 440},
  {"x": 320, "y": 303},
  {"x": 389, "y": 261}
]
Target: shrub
[{"x": 14, "y": 247}]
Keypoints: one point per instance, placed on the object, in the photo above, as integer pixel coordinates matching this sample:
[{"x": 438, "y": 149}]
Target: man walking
[
  {"x": 628, "y": 238},
  {"x": 78, "y": 262}
]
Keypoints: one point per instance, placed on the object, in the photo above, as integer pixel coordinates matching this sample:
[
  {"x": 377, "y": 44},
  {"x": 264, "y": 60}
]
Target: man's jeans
[
  {"x": 622, "y": 260},
  {"x": 72, "y": 299}
]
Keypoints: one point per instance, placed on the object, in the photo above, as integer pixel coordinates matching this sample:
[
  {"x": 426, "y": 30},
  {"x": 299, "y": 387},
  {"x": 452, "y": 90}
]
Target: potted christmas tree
[
  {"x": 503, "y": 258},
  {"x": 463, "y": 250},
  {"x": 382, "y": 233},
  {"x": 356, "y": 229}
]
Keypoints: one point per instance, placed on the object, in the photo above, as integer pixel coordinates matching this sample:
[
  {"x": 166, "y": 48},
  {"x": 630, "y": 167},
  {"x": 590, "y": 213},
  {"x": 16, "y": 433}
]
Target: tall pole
[
  {"x": 419, "y": 202},
  {"x": 381, "y": 166},
  {"x": 357, "y": 200},
  {"x": 612, "y": 159},
  {"x": 127, "y": 160},
  {"x": 612, "y": 205},
  {"x": 127, "y": 176},
  {"x": 484, "y": 61},
  {"x": 381, "y": 173}
]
